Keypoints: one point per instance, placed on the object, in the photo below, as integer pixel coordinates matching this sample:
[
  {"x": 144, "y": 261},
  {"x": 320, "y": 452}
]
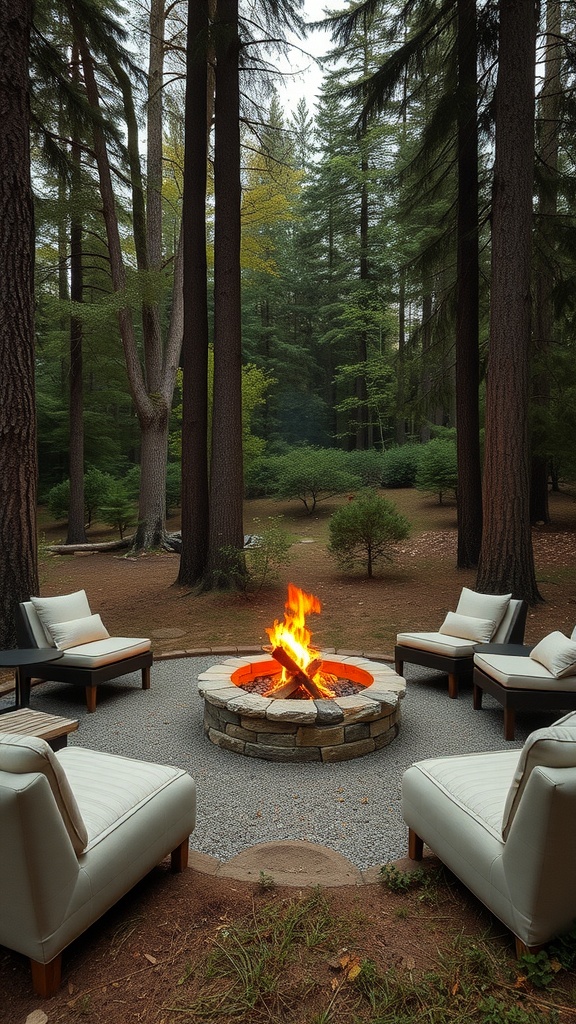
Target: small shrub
[
  {"x": 363, "y": 530},
  {"x": 96, "y": 487},
  {"x": 437, "y": 467},
  {"x": 367, "y": 465},
  {"x": 261, "y": 476},
  {"x": 400, "y": 465},
  {"x": 268, "y": 552},
  {"x": 313, "y": 475},
  {"x": 118, "y": 510},
  {"x": 58, "y": 500}
]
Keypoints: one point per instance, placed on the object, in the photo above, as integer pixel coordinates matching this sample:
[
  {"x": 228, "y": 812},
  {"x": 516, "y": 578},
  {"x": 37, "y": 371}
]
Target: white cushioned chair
[
  {"x": 78, "y": 829},
  {"x": 505, "y": 824},
  {"x": 479, "y": 618},
  {"x": 91, "y": 656},
  {"x": 542, "y": 678}
]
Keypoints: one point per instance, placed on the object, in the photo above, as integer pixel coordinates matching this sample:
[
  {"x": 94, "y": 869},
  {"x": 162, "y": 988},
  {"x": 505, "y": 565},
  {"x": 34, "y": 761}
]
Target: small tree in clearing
[{"x": 363, "y": 530}]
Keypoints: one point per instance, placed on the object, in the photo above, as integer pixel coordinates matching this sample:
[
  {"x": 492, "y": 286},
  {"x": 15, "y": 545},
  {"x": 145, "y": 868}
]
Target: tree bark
[
  {"x": 76, "y": 531},
  {"x": 226, "y": 531},
  {"x": 151, "y": 387},
  {"x": 506, "y": 559},
  {"x": 195, "y": 503},
  {"x": 467, "y": 317},
  {"x": 549, "y": 103},
  {"x": 18, "y": 461}
]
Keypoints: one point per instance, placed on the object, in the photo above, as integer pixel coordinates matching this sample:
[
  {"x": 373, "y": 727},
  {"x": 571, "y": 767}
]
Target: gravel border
[{"x": 352, "y": 807}]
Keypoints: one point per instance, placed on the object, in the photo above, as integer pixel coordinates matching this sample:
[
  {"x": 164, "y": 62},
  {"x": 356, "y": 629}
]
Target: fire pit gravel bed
[{"x": 296, "y": 730}]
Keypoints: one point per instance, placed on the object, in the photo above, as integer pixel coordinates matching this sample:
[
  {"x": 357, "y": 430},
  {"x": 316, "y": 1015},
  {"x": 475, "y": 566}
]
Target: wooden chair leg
[
  {"x": 46, "y": 978},
  {"x": 398, "y": 666},
  {"x": 179, "y": 856},
  {"x": 452, "y": 686},
  {"x": 522, "y": 948},
  {"x": 91, "y": 698},
  {"x": 477, "y": 697},
  {"x": 509, "y": 723},
  {"x": 146, "y": 677},
  {"x": 415, "y": 846}
]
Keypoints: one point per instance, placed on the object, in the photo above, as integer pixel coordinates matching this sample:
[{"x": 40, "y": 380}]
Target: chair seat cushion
[
  {"x": 109, "y": 788},
  {"x": 477, "y": 784},
  {"x": 104, "y": 652},
  {"x": 521, "y": 673},
  {"x": 438, "y": 643}
]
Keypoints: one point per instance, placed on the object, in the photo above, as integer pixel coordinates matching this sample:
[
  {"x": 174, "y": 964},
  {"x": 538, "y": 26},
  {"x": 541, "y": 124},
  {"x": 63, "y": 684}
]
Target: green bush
[
  {"x": 400, "y": 465},
  {"x": 313, "y": 475},
  {"x": 367, "y": 465},
  {"x": 363, "y": 530},
  {"x": 58, "y": 500},
  {"x": 261, "y": 477},
  {"x": 268, "y": 552},
  {"x": 437, "y": 467},
  {"x": 96, "y": 487},
  {"x": 118, "y": 510}
]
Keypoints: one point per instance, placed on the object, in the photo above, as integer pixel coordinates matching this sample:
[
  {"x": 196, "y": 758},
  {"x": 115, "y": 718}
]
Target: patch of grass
[{"x": 287, "y": 961}]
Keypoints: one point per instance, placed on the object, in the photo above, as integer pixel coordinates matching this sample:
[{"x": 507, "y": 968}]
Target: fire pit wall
[{"x": 278, "y": 729}]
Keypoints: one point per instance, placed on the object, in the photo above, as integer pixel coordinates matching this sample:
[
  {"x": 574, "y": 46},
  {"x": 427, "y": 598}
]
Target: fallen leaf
[
  {"x": 354, "y": 971},
  {"x": 150, "y": 958}
]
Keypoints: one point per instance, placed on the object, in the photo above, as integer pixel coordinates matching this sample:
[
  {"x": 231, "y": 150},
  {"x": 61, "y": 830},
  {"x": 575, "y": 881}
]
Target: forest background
[{"x": 383, "y": 258}]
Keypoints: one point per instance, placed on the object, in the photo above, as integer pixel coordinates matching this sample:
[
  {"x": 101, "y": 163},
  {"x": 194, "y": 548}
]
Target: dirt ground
[{"x": 141, "y": 962}]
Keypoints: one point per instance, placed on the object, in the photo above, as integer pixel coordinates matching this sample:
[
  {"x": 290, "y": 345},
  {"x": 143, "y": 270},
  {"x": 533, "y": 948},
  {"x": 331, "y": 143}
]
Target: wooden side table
[{"x": 51, "y": 728}]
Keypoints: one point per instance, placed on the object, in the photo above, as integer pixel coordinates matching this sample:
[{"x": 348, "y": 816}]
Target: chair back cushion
[
  {"x": 468, "y": 627},
  {"x": 557, "y": 653},
  {"x": 76, "y": 632},
  {"x": 54, "y": 610},
  {"x": 28, "y": 754},
  {"x": 483, "y": 606},
  {"x": 554, "y": 747}
]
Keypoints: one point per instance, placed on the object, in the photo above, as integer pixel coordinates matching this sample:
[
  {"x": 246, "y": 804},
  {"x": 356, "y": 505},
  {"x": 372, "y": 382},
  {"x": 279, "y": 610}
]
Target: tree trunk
[
  {"x": 195, "y": 340},
  {"x": 76, "y": 532},
  {"x": 226, "y": 533},
  {"x": 549, "y": 102},
  {"x": 18, "y": 476},
  {"x": 467, "y": 330},
  {"x": 506, "y": 559},
  {"x": 153, "y": 388}
]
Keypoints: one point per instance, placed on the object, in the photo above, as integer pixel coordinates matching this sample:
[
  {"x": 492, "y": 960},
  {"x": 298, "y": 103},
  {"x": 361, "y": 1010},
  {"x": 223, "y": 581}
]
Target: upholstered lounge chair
[
  {"x": 479, "y": 618},
  {"x": 91, "y": 656},
  {"x": 78, "y": 829},
  {"x": 539, "y": 679},
  {"x": 505, "y": 824}
]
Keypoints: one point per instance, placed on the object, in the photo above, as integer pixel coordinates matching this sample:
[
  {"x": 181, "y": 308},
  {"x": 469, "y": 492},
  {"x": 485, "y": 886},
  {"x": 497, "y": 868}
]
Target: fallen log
[{"x": 105, "y": 545}]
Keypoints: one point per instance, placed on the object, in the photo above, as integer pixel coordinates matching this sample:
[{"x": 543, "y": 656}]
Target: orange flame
[{"x": 293, "y": 634}]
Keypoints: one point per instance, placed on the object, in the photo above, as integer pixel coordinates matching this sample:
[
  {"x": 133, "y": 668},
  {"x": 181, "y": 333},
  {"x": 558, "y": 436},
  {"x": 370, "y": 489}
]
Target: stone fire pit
[{"x": 285, "y": 729}]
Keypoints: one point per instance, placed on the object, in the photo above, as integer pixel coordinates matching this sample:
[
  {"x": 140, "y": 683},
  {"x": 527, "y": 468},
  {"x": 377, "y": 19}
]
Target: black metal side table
[{"x": 22, "y": 658}]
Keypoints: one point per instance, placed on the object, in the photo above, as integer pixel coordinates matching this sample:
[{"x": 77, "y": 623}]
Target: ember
[{"x": 301, "y": 663}]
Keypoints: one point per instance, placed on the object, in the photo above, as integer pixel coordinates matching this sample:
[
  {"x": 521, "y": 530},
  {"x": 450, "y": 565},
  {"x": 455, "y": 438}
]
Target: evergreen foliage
[
  {"x": 313, "y": 474},
  {"x": 437, "y": 471},
  {"x": 363, "y": 531}
]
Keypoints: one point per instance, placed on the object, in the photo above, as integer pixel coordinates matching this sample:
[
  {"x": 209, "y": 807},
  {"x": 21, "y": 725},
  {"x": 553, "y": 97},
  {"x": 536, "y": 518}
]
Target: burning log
[{"x": 298, "y": 676}]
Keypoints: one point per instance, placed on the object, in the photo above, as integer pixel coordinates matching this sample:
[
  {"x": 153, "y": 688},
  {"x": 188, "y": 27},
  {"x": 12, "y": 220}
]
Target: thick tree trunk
[
  {"x": 467, "y": 330},
  {"x": 151, "y": 531},
  {"x": 506, "y": 560},
  {"x": 549, "y": 104},
  {"x": 18, "y": 548},
  {"x": 226, "y": 532},
  {"x": 195, "y": 339}
]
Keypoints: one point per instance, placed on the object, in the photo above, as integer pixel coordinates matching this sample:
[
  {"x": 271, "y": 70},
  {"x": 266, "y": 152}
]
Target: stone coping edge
[{"x": 206, "y": 652}]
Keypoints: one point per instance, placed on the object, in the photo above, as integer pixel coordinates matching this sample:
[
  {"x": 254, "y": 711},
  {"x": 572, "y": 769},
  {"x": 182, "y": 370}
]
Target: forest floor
[{"x": 354, "y": 952}]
